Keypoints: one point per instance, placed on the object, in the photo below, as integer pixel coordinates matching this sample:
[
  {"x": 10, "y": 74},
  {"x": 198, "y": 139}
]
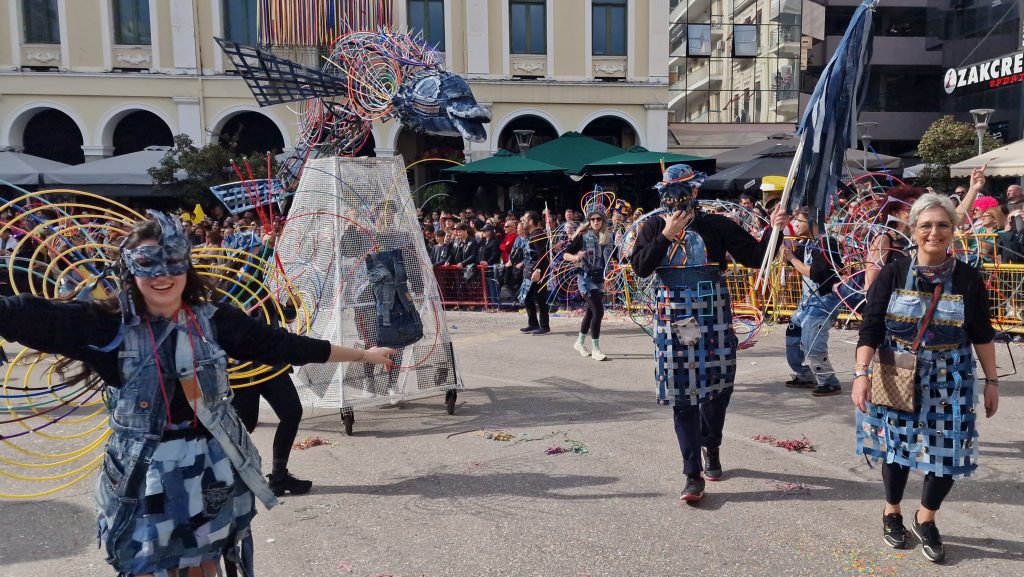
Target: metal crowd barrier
[{"x": 1005, "y": 284}]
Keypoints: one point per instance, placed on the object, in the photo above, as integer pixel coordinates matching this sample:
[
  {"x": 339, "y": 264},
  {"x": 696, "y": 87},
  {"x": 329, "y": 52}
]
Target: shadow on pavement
[{"x": 39, "y": 530}]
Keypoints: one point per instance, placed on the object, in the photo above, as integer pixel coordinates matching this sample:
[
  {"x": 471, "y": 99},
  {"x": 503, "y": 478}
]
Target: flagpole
[{"x": 769, "y": 255}]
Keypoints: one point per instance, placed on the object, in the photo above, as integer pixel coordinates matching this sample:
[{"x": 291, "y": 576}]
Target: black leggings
[
  {"x": 281, "y": 395},
  {"x": 595, "y": 312},
  {"x": 934, "y": 491}
]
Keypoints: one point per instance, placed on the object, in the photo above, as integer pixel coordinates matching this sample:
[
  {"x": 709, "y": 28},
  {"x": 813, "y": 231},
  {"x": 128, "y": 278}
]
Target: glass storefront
[{"x": 734, "y": 61}]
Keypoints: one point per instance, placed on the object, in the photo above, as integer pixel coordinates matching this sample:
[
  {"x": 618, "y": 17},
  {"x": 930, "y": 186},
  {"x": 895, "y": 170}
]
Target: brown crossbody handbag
[{"x": 892, "y": 371}]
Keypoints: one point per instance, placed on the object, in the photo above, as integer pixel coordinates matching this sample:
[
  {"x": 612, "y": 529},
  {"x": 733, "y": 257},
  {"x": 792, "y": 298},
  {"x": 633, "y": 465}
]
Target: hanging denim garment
[{"x": 398, "y": 323}]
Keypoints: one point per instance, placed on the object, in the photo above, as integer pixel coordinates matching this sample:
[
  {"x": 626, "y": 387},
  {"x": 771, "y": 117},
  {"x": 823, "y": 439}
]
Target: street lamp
[
  {"x": 981, "y": 118},
  {"x": 864, "y": 133},
  {"x": 523, "y": 140}
]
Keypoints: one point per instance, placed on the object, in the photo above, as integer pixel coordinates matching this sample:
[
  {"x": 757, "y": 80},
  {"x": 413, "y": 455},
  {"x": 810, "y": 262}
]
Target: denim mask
[
  {"x": 678, "y": 188},
  {"x": 169, "y": 257}
]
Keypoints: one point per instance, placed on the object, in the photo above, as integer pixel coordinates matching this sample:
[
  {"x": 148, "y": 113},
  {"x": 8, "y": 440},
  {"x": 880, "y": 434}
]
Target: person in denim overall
[
  {"x": 808, "y": 330},
  {"x": 939, "y": 438},
  {"x": 694, "y": 339},
  {"x": 180, "y": 475},
  {"x": 589, "y": 247}
]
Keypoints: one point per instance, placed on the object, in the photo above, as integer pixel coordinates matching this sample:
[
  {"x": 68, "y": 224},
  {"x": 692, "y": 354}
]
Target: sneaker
[
  {"x": 528, "y": 329},
  {"x": 598, "y": 355},
  {"x": 542, "y": 331},
  {"x": 827, "y": 391},
  {"x": 693, "y": 491},
  {"x": 931, "y": 541},
  {"x": 894, "y": 532},
  {"x": 580, "y": 349},
  {"x": 279, "y": 485},
  {"x": 797, "y": 383},
  {"x": 712, "y": 463}
]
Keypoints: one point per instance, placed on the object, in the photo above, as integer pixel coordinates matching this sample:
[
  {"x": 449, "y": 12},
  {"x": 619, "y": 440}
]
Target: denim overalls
[
  {"x": 696, "y": 345},
  {"x": 940, "y": 437},
  {"x": 807, "y": 333},
  {"x": 138, "y": 419}
]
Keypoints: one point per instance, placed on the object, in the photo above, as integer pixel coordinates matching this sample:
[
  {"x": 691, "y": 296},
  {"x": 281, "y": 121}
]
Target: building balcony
[
  {"x": 686, "y": 7},
  {"x": 780, "y": 7},
  {"x": 784, "y": 45}
]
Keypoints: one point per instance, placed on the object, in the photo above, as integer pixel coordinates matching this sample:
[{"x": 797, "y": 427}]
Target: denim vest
[
  {"x": 138, "y": 417},
  {"x": 595, "y": 256},
  {"x": 812, "y": 303},
  {"x": 688, "y": 253},
  {"x": 908, "y": 306},
  {"x": 398, "y": 323}
]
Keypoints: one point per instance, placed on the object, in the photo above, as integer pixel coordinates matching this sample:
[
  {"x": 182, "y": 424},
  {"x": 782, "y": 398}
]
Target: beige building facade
[{"x": 537, "y": 64}]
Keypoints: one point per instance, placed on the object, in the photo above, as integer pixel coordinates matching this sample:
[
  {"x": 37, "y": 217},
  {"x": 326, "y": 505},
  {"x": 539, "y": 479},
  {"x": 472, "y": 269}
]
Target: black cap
[{"x": 487, "y": 228}]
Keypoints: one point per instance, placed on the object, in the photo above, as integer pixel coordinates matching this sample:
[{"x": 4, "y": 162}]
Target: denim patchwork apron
[
  {"x": 694, "y": 338},
  {"x": 940, "y": 437}
]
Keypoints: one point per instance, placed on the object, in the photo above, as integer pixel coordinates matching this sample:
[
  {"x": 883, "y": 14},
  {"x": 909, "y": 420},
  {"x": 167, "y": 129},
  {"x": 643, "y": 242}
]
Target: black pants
[
  {"x": 595, "y": 312},
  {"x": 700, "y": 426},
  {"x": 281, "y": 395},
  {"x": 537, "y": 301},
  {"x": 934, "y": 491}
]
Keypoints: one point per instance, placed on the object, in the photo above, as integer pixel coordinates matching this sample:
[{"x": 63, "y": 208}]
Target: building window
[
  {"x": 131, "y": 22},
  {"x": 744, "y": 41},
  {"x": 698, "y": 40},
  {"x": 240, "y": 21},
  {"x": 609, "y": 28},
  {"x": 528, "y": 26},
  {"x": 41, "y": 22},
  {"x": 427, "y": 16}
]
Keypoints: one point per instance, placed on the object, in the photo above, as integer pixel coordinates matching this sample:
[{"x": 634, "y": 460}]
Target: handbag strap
[{"x": 927, "y": 317}]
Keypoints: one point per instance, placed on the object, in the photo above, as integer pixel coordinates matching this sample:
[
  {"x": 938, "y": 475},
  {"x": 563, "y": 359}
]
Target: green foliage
[
  {"x": 192, "y": 171},
  {"x": 947, "y": 142}
]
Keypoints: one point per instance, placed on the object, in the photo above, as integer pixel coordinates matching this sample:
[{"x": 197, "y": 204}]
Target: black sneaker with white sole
[
  {"x": 894, "y": 532},
  {"x": 712, "y": 463},
  {"x": 797, "y": 383},
  {"x": 931, "y": 541}
]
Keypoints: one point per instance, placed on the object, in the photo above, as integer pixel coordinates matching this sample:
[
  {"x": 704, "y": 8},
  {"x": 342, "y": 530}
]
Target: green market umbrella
[
  {"x": 573, "y": 151},
  {"x": 637, "y": 157},
  {"x": 505, "y": 163}
]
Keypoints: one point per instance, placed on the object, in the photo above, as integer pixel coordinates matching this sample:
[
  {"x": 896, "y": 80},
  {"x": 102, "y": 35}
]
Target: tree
[
  {"x": 193, "y": 170},
  {"x": 945, "y": 143}
]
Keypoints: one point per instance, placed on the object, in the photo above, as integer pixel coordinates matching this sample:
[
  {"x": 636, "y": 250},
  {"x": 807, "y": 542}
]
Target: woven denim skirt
[{"x": 192, "y": 508}]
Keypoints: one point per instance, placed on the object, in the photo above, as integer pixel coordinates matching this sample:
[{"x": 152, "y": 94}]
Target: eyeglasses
[
  {"x": 927, "y": 227},
  {"x": 596, "y": 219}
]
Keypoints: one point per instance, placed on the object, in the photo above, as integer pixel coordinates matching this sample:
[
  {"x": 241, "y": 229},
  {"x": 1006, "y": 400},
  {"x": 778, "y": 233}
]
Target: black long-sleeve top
[
  {"x": 464, "y": 252},
  {"x": 967, "y": 282},
  {"x": 720, "y": 235},
  {"x": 490, "y": 251},
  {"x": 69, "y": 328},
  {"x": 537, "y": 245}
]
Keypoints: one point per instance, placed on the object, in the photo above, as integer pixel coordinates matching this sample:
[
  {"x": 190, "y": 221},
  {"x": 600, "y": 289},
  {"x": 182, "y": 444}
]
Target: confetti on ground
[
  {"x": 568, "y": 446},
  {"x": 344, "y": 566},
  {"x": 311, "y": 442},
  {"x": 790, "y": 488},
  {"x": 863, "y": 563},
  {"x": 801, "y": 445}
]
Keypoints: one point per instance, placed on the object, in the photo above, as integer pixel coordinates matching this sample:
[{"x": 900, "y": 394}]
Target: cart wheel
[
  {"x": 348, "y": 418},
  {"x": 449, "y": 400}
]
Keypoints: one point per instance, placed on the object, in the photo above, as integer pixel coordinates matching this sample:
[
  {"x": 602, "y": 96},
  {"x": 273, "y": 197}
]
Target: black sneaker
[
  {"x": 894, "y": 532},
  {"x": 797, "y": 383},
  {"x": 693, "y": 491},
  {"x": 528, "y": 329},
  {"x": 827, "y": 391},
  {"x": 712, "y": 464},
  {"x": 542, "y": 331},
  {"x": 280, "y": 484},
  {"x": 931, "y": 541}
]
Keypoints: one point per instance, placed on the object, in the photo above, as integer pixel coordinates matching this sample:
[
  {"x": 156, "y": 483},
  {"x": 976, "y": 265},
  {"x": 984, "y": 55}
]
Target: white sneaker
[
  {"x": 580, "y": 349},
  {"x": 598, "y": 355}
]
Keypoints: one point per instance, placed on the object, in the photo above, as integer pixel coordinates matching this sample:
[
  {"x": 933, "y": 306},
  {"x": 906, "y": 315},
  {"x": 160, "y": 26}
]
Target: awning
[
  {"x": 1003, "y": 161},
  {"x": 23, "y": 169},
  {"x": 638, "y": 157},
  {"x": 126, "y": 169},
  {"x": 573, "y": 151},
  {"x": 786, "y": 143},
  {"x": 505, "y": 163}
]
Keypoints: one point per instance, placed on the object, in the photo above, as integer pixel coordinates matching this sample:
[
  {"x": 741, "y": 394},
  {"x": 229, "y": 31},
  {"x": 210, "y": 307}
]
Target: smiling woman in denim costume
[
  {"x": 180, "y": 474},
  {"x": 939, "y": 438}
]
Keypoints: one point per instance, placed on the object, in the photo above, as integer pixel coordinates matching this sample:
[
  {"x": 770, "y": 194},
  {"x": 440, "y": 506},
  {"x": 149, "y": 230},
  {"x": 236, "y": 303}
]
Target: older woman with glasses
[{"x": 939, "y": 437}]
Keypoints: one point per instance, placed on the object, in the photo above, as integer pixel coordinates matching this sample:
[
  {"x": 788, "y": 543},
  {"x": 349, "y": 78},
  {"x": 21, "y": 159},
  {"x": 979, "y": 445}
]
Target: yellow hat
[{"x": 773, "y": 183}]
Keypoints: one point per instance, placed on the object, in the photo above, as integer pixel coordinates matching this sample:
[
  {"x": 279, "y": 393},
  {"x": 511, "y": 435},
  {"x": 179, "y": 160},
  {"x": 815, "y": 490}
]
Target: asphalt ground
[{"x": 418, "y": 492}]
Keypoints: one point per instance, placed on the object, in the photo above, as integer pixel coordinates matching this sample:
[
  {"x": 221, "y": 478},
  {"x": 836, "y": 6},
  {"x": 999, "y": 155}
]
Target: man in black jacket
[
  {"x": 537, "y": 261},
  {"x": 464, "y": 254}
]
